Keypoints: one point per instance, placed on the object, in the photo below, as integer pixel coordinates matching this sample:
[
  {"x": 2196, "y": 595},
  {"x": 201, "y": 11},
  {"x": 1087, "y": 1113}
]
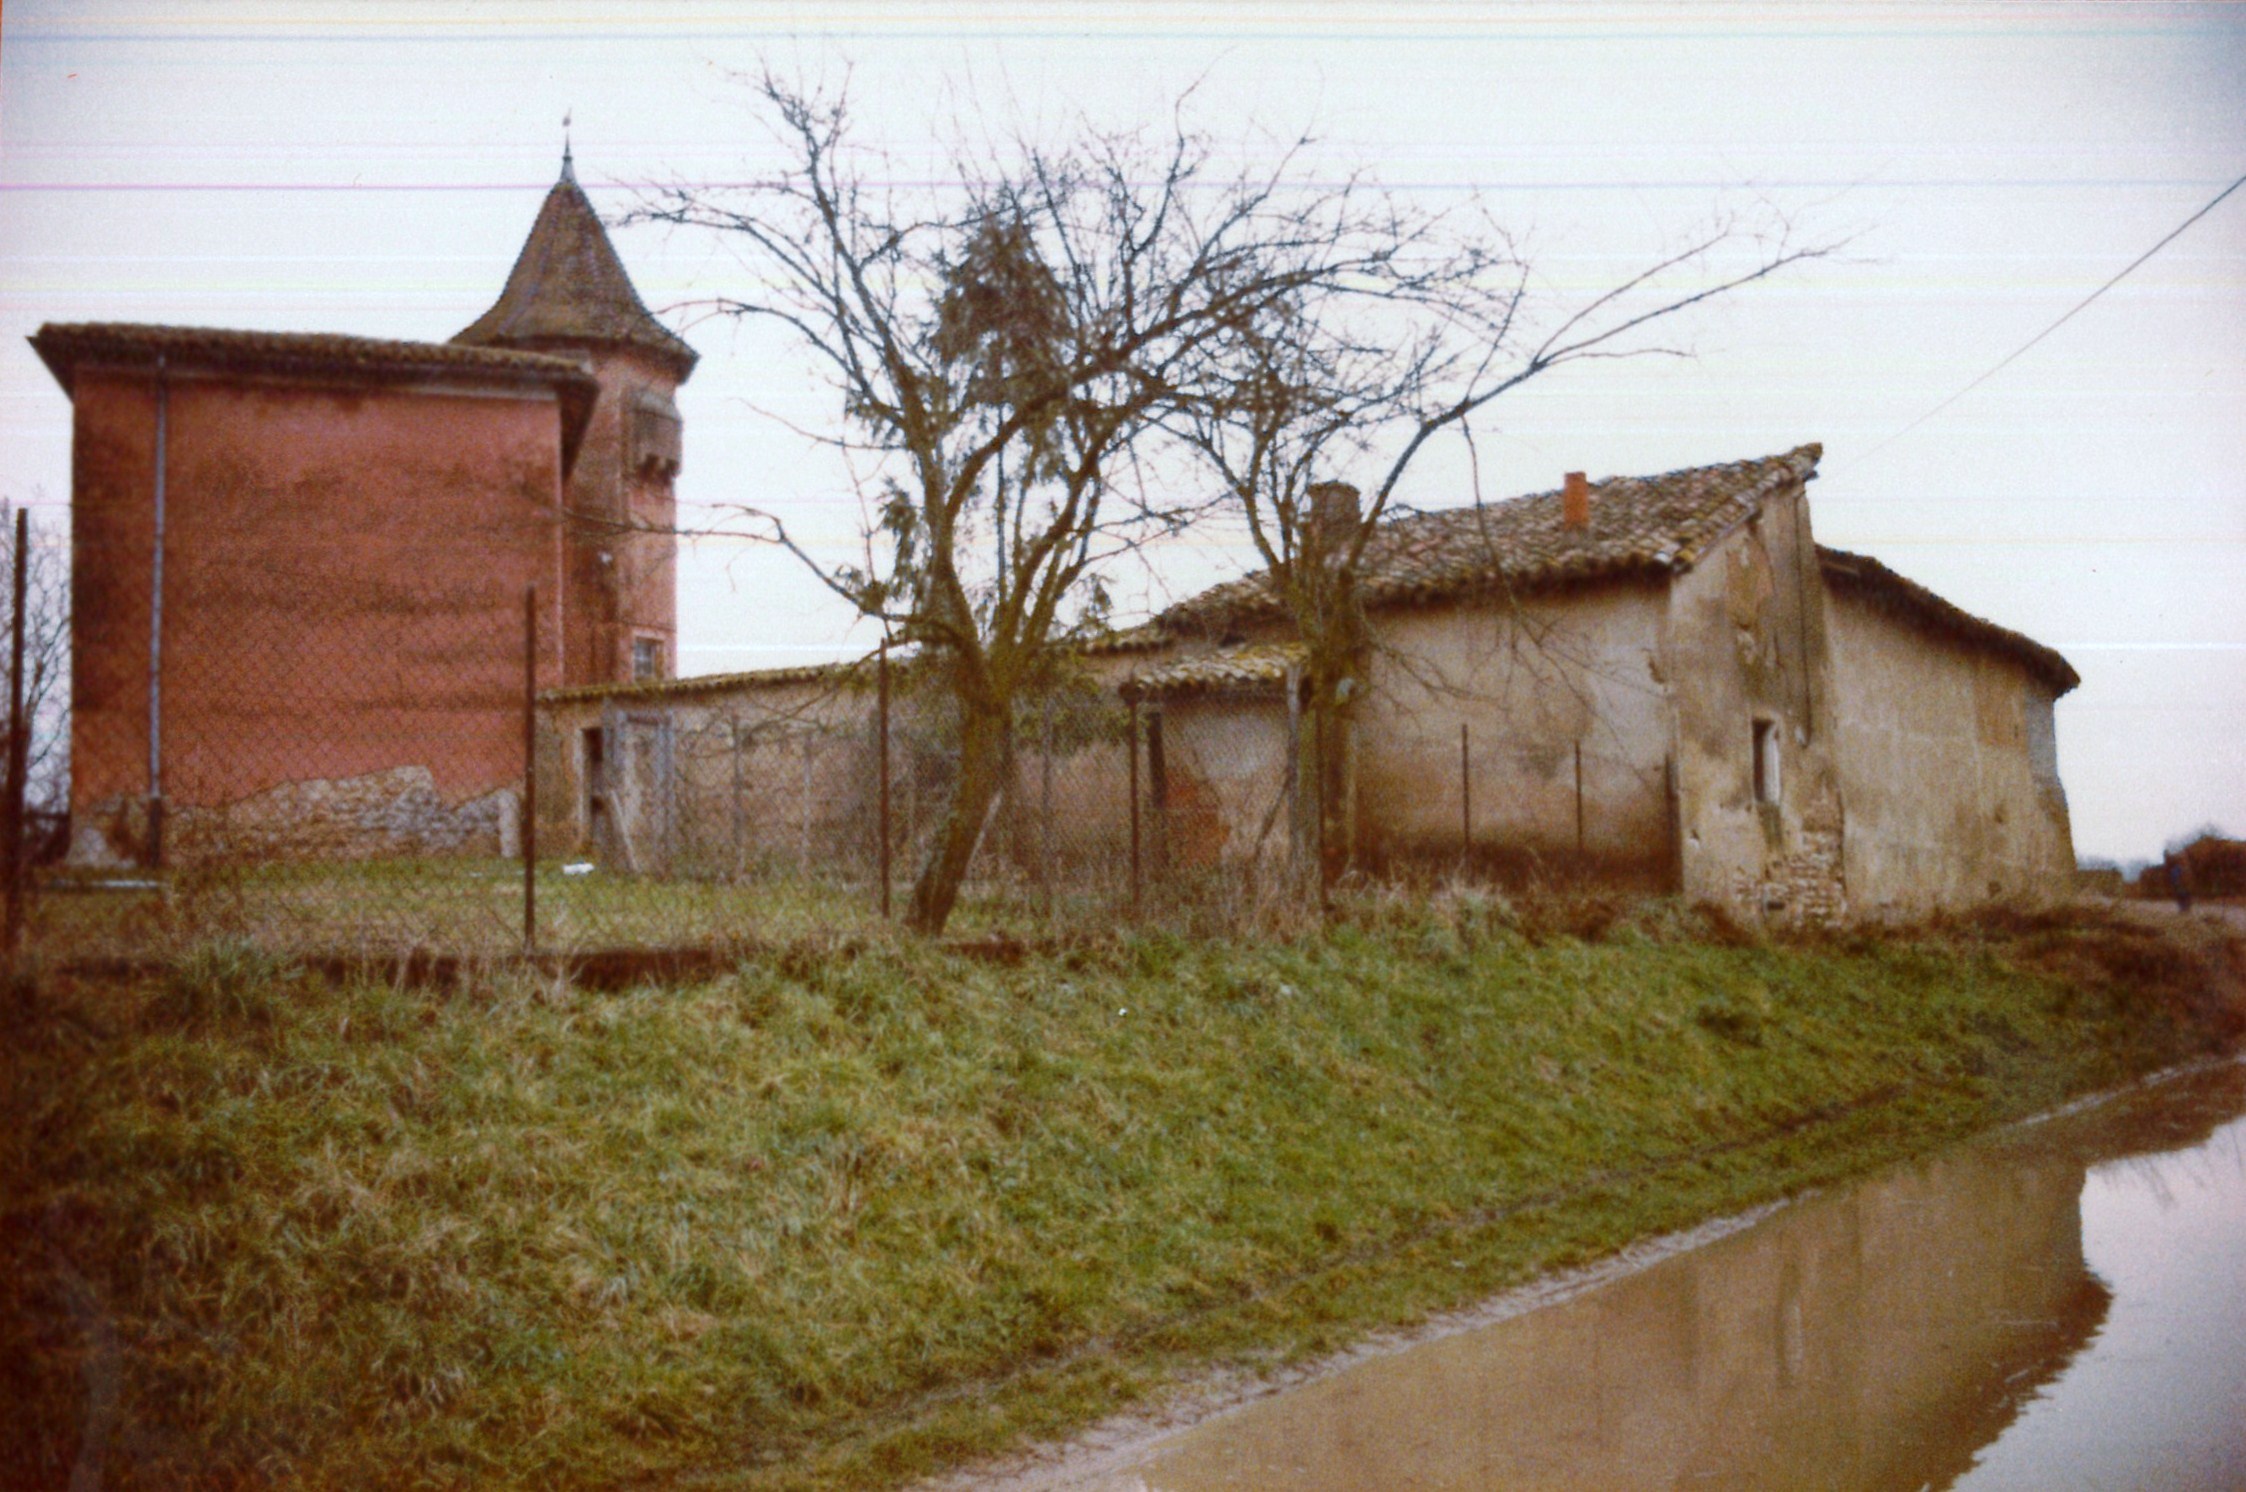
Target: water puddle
[{"x": 2061, "y": 1304}]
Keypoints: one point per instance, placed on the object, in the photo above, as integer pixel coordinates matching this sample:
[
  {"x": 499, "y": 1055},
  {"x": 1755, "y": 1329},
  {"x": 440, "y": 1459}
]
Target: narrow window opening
[
  {"x": 1766, "y": 761},
  {"x": 647, "y": 658},
  {"x": 595, "y": 758}
]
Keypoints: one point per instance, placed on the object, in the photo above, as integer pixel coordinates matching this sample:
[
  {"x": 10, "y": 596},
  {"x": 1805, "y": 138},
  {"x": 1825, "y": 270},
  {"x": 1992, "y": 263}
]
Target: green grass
[
  {"x": 474, "y": 908},
  {"x": 843, "y": 1217}
]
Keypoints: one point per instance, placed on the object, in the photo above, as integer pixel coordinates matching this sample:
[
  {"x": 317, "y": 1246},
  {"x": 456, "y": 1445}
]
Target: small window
[
  {"x": 655, "y": 436},
  {"x": 647, "y": 658},
  {"x": 1766, "y": 761}
]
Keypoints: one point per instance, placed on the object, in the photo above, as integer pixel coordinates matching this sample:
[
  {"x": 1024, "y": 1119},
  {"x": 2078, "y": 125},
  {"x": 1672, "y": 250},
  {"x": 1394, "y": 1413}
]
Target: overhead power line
[{"x": 2009, "y": 358}]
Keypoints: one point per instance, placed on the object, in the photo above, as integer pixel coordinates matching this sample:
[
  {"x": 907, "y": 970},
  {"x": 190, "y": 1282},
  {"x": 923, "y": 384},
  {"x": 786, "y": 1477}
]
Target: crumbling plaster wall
[
  {"x": 1746, "y": 641},
  {"x": 1225, "y": 766},
  {"x": 770, "y": 776},
  {"x": 1948, "y": 759},
  {"x": 1540, "y": 682}
]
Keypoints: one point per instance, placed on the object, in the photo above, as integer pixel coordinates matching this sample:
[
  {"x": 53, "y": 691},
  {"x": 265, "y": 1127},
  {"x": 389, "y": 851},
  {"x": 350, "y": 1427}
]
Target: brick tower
[{"x": 568, "y": 295}]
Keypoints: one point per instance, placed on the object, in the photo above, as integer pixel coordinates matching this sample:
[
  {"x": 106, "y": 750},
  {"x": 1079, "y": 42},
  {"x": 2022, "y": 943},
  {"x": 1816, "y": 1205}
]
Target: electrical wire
[{"x": 2017, "y": 352}]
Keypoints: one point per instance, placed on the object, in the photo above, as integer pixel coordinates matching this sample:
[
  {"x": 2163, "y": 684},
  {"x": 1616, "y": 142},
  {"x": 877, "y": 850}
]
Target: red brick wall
[
  {"x": 627, "y": 518},
  {"x": 343, "y": 581}
]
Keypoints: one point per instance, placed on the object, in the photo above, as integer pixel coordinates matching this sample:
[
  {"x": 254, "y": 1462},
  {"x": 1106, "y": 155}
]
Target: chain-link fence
[
  {"x": 391, "y": 784},
  {"x": 405, "y": 787}
]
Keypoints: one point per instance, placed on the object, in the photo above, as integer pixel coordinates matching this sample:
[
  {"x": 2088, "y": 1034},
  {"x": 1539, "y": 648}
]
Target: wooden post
[
  {"x": 1132, "y": 738},
  {"x": 530, "y": 771},
  {"x": 19, "y": 746},
  {"x": 881, "y": 752},
  {"x": 1295, "y": 834}
]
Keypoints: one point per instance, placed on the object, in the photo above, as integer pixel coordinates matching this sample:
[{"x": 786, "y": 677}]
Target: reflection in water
[{"x": 1878, "y": 1338}]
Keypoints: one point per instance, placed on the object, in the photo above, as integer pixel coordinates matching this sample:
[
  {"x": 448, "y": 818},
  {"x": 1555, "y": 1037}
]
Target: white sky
[{"x": 373, "y": 168}]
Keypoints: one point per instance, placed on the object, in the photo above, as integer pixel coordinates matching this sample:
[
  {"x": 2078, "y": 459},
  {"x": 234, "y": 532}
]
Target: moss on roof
[{"x": 1253, "y": 668}]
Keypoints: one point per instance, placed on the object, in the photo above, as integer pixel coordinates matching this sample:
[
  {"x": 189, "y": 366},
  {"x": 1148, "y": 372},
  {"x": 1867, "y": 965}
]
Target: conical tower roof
[{"x": 569, "y": 288}]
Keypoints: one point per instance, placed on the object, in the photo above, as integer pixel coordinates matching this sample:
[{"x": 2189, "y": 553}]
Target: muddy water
[{"x": 2062, "y": 1304}]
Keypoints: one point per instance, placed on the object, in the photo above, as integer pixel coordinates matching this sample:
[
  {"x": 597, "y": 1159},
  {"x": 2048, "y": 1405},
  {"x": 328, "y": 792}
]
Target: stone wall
[
  {"x": 397, "y": 813},
  {"x": 1746, "y": 646}
]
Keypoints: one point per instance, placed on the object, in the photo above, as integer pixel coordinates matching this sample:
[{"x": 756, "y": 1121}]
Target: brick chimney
[
  {"x": 1575, "y": 502},
  {"x": 1335, "y": 512}
]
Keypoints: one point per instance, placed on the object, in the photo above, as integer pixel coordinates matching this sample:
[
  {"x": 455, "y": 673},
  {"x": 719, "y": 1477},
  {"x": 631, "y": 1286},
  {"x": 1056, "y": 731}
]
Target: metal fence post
[
  {"x": 881, "y": 737},
  {"x": 530, "y": 771},
  {"x": 19, "y": 742},
  {"x": 740, "y": 804},
  {"x": 1132, "y": 749},
  {"x": 1579, "y": 805},
  {"x": 1465, "y": 801},
  {"x": 1045, "y": 808}
]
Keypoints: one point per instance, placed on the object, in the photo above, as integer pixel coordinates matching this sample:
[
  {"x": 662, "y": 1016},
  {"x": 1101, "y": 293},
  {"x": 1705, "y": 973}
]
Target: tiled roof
[
  {"x": 64, "y": 346},
  {"x": 1143, "y": 638},
  {"x": 718, "y": 683},
  {"x": 568, "y": 288},
  {"x": 1639, "y": 525},
  {"x": 1254, "y": 667},
  {"x": 1918, "y": 603}
]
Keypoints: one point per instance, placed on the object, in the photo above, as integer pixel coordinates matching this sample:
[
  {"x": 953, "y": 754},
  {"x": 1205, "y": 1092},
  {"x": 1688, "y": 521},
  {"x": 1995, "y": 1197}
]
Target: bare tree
[
  {"x": 46, "y": 660},
  {"x": 1006, "y": 344},
  {"x": 1360, "y": 372}
]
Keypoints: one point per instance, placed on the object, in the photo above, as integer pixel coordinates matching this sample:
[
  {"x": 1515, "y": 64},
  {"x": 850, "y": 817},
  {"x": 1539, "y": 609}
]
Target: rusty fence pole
[
  {"x": 19, "y": 746},
  {"x": 1131, "y": 736},
  {"x": 1579, "y": 802},
  {"x": 881, "y": 752},
  {"x": 1045, "y": 805},
  {"x": 530, "y": 771},
  {"x": 1465, "y": 801}
]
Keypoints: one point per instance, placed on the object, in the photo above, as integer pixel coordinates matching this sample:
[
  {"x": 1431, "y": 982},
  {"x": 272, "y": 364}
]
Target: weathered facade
[
  {"x": 778, "y": 772},
  {"x": 1679, "y": 689},
  {"x": 300, "y": 561},
  {"x": 568, "y": 296},
  {"x": 1672, "y": 688}
]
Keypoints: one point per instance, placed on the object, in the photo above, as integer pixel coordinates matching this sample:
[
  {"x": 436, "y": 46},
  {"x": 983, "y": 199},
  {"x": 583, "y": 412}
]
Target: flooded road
[{"x": 2061, "y": 1304}]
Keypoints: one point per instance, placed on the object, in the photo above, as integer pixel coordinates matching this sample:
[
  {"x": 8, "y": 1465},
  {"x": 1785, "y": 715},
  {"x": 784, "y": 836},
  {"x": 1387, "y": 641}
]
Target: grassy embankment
[{"x": 843, "y": 1217}]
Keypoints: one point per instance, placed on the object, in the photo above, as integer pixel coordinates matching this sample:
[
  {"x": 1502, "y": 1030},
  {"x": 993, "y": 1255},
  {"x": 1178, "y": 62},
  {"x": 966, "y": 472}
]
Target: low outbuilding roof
[
  {"x": 1252, "y": 668},
  {"x": 701, "y": 684},
  {"x": 65, "y": 347}
]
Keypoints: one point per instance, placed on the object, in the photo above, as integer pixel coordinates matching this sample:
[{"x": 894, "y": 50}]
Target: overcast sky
[{"x": 372, "y": 168}]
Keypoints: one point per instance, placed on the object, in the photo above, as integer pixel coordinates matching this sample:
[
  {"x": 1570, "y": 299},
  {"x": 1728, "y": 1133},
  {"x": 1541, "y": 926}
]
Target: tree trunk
[{"x": 982, "y": 772}]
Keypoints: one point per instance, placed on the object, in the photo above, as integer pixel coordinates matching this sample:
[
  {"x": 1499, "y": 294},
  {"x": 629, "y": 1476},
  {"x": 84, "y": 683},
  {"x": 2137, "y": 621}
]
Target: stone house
[
  {"x": 1660, "y": 681},
  {"x": 300, "y": 561}
]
